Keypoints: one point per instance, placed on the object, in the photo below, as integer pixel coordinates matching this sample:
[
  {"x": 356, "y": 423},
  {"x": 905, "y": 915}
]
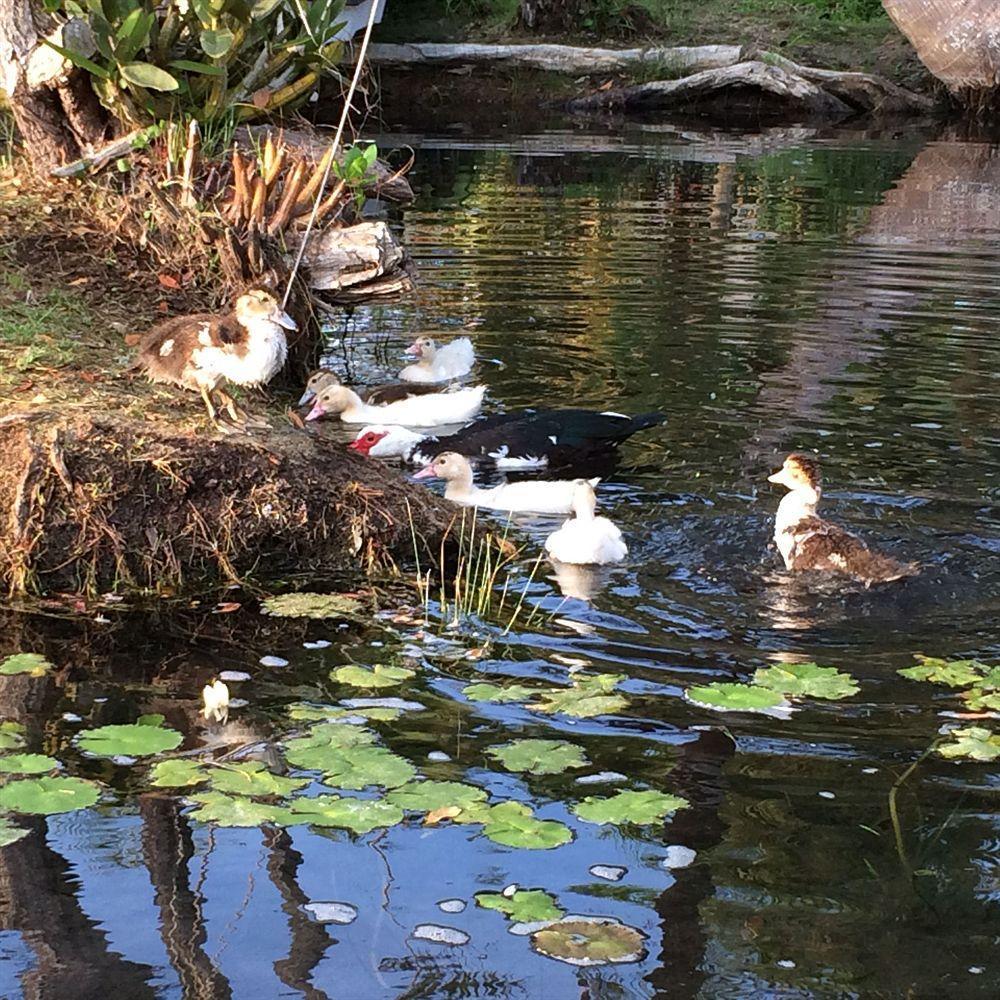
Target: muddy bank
[{"x": 87, "y": 504}]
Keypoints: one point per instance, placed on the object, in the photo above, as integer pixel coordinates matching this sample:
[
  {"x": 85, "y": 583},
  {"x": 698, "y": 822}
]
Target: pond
[{"x": 783, "y": 290}]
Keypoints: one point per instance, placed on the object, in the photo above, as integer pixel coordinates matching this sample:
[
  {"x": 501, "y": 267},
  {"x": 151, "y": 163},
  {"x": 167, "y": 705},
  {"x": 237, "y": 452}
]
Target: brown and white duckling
[
  {"x": 201, "y": 351},
  {"x": 377, "y": 395},
  {"x": 807, "y": 542},
  {"x": 438, "y": 364}
]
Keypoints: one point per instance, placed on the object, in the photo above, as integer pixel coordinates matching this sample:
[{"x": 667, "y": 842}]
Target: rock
[
  {"x": 452, "y": 905},
  {"x": 332, "y": 913},
  {"x": 440, "y": 935},
  {"x": 610, "y": 873},
  {"x": 234, "y": 676},
  {"x": 273, "y": 661}
]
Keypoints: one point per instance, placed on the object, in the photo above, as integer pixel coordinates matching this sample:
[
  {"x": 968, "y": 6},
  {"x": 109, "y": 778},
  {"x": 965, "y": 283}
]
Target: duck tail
[
  {"x": 885, "y": 569},
  {"x": 646, "y": 420}
]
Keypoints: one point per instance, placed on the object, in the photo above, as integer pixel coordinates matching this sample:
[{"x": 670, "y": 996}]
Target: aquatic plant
[
  {"x": 254, "y": 779},
  {"x": 141, "y": 739},
  {"x": 587, "y": 696},
  {"x": 522, "y": 906},
  {"x": 309, "y": 605},
  {"x": 515, "y": 825},
  {"x": 357, "y": 815},
  {"x": 973, "y": 742},
  {"x": 47, "y": 796},
  {"x": 27, "y": 763},
  {"x": 641, "y": 808},
  {"x": 11, "y": 735},
  {"x": 178, "y": 774},
  {"x": 806, "y": 680},
  {"x": 590, "y": 941},
  {"x": 728, "y": 697},
  {"x": 953, "y": 673},
  {"x": 238, "y": 810},
  {"x": 378, "y": 676},
  {"x": 433, "y": 796},
  {"x": 484, "y": 691},
  {"x": 539, "y": 756},
  {"x": 33, "y": 664}
]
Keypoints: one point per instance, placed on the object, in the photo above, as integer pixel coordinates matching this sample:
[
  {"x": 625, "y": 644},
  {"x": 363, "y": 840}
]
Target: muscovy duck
[
  {"x": 586, "y": 539},
  {"x": 377, "y": 395},
  {"x": 432, "y": 410},
  {"x": 438, "y": 364}
]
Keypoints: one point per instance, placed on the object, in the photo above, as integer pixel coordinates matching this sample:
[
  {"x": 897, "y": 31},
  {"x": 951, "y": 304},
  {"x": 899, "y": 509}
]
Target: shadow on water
[{"x": 790, "y": 289}]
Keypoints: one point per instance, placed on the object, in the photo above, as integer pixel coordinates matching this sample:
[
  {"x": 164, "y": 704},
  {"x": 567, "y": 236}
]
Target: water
[{"x": 788, "y": 290}]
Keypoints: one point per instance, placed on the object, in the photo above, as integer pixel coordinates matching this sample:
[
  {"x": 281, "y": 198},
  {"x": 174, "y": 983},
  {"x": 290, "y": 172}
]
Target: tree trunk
[{"x": 550, "y": 16}]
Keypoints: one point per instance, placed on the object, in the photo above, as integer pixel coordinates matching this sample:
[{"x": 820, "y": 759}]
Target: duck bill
[
  {"x": 307, "y": 397},
  {"x": 358, "y": 447},
  {"x": 316, "y": 412},
  {"x": 777, "y": 477},
  {"x": 283, "y": 319},
  {"x": 425, "y": 473},
  {"x": 413, "y": 351}
]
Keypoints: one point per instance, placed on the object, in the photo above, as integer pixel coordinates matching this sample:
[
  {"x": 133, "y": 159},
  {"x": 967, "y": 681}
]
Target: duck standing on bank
[
  {"x": 431, "y": 410},
  {"x": 586, "y": 539},
  {"x": 377, "y": 395},
  {"x": 247, "y": 347},
  {"x": 535, "y": 496},
  {"x": 547, "y": 438},
  {"x": 439, "y": 364},
  {"x": 807, "y": 542}
]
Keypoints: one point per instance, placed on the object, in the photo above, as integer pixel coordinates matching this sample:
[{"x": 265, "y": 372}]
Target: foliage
[
  {"x": 27, "y": 763},
  {"x": 493, "y": 692},
  {"x": 629, "y": 807},
  {"x": 514, "y": 825},
  {"x": 808, "y": 680},
  {"x": 10, "y": 735},
  {"x": 524, "y": 906},
  {"x": 735, "y": 698},
  {"x": 379, "y": 676},
  {"x": 954, "y": 673},
  {"x": 178, "y": 774},
  {"x": 135, "y": 740},
  {"x": 427, "y": 796},
  {"x": 307, "y": 605},
  {"x": 9, "y": 833},
  {"x": 973, "y": 742},
  {"x": 539, "y": 756},
  {"x": 253, "y": 778},
  {"x": 33, "y": 664},
  {"x": 588, "y": 696},
  {"x": 236, "y": 810},
  {"x": 357, "y": 815},
  {"x": 589, "y": 941},
  {"x": 47, "y": 796}
]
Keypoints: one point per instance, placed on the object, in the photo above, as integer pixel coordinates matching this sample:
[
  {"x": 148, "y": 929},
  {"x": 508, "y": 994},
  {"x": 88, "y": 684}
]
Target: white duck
[
  {"x": 586, "y": 539},
  {"x": 430, "y": 410},
  {"x": 438, "y": 364},
  {"x": 537, "y": 496}
]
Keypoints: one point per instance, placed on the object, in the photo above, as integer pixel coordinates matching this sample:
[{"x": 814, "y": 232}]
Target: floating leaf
[
  {"x": 178, "y": 774},
  {"x": 736, "y": 698},
  {"x": 954, "y": 673},
  {"x": 136, "y": 740},
  {"x": 426, "y": 796},
  {"x": 539, "y": 756},
  {"x": 46, "y": 796},
  {"x": 588, "y": 696},
  {"x": 436, "y": 816},
  {"x": 253, "y": 778},
  {"x": 979, "y": 700},
  {"x": 973, "y": 742},
  {"x": 144, "y": 74},
  {"x": 525, "y": 906},
  {"x": 312, "y": 606},
  {"x": 377, "y": 677},
  {"x": 236, "y": 810},
  {"x": 357, "y": 815},
  {"x": 358, "y": 767},
  {"x": 312, "y": 750},
  {"x": 590, "y": 941},
  {"x": 493, "y": 692},
  {"x": 10, "y": 735},
  {"x": 33, "y": 664},
  {"x": 629, "y": 807},
  {"x": 514, "y": 825},
  {"x": 329, "y": 713},
  {"x": 806, "y": 680},
  {"x": 9, "y": 833},
  {"x": 27, "y": 763}
]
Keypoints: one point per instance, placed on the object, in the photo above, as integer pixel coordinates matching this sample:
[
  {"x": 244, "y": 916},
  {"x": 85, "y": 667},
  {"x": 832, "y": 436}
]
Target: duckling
[
  {"x": 430, "y": 410},
  {"x": 807, "y": 542},
  {"x": 438, "y": 364},
  {"x": 586, "y": 539},
  {"x": 391, "y": 392},
  {"x": 201, "y": 351}
]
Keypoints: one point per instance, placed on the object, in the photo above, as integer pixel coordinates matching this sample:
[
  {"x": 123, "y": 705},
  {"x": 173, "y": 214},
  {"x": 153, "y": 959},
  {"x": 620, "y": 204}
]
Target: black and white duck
[
  {"x": 377, "y": 395},
  {"x": 246, "y": 347},
  {"x": 808, "y": 542}
]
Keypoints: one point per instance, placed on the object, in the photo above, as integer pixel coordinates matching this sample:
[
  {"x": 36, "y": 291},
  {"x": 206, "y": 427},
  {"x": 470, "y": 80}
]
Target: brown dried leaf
[
  {"x": 435, "y": 816},
  {"x": 168, "y": 281},
  {"x": 261, "y": 98},
  {"x": 226, "y": 608}
]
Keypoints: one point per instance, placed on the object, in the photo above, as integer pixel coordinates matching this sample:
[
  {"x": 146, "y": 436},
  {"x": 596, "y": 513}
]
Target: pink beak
[
  {"x": 427, "y": 472},
  {"x": 316, "y": 412},
  {"x": 413, "y": 349}
]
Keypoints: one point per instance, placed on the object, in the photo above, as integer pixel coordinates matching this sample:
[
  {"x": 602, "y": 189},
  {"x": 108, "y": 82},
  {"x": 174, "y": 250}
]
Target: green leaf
[
  {"x": 359, "y": 767},
  {"x": 307, "y": 605},
  {"x": 27, "y": 763},
  {"x": 190, "y": 66},
  {"x": 425, "y": 796},
  {"x": 133, "y": 34},
  {"x": 312, "y": 750},
  {"x": 328, "y": 713},
  {"x": 10, "y": 736},
  {"x": 178, "y": 774},
  {"x": 356, "y": 815},
  {"x": 588, "y": 696},
  {"x": 590, "y": 941},
  {"x": 378, "y": 677},
  {"x": 216, "y": 42},
  {"x": 47, "y": 796},
  {"x": 143, "y": 74},
  {"x": 641, "y": 808},
  {"x": 493, "y": 692},
  {"x": 806, "y": 680},
  {"x": 78, "y": 60},
  {"x": 539, "y": 756},
  {"x": 979, "y": 700},
  {"x": 513, "y": 825},
  {"x": 128, "y": 740},
  {"x": 253, "y": 778},
  {"x": 9, "y": 833},
  {"x": 735, "y": 698},
  {"x": 235, "y": 810},
  {"x": 526, "y": 905},
  {"x": 33, "y": 664},
  {"x": 954, "y": 673},
  {"x": 973, "y": 742},
  {"x": 264, "y": 7}
]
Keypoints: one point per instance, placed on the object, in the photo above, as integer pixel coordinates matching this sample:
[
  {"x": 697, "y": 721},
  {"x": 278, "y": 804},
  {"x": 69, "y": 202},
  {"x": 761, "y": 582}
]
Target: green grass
[
  {"x": 8, "y": 138},
  {"x": 39, "y": 329}
]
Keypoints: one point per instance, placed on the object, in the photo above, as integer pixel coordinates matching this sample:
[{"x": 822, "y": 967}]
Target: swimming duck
[
  {"x": 438, "y": 364},
  {"x": 431, "y": 410},
  {"x": 586, "y": 539},
  {"x": 513, "y": 440},
  {"x": 807, "y": 542},
  {"x": 201, "y": 351},
  {"x": 377, "y": 395},
  {"x": 537, "y": 496}
]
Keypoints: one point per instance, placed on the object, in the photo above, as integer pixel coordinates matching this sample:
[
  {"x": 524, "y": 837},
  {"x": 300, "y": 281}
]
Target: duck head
[
  {"x": 450, "y": 466},
  {"x": 584, "y": 499},
  {"x": 384, "y": 442},
  {"x": 259, "y": 305},
  {"x": 333, "y": 399},
  {"x": 316, "y": 383},
  {"x": 423, "y": 347},
  {"x": 800, "y": 474}
]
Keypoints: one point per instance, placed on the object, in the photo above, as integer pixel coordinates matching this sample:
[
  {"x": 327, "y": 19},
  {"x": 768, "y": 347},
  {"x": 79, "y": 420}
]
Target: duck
[
  {"x": 808, "y": 542},
  {"x": 246, "y": 347},
  {"x": 586, "y": 539},
  {"x": 439, "y": 364},
  {"x": 519, "y": 440},
  {"x": 431, "y": 410},
  {"x": 377, "y": 395},
  {"x": 535, "y": 496}
]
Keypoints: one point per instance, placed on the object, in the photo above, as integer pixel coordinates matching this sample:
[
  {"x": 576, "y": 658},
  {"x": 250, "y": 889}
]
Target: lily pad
[
  {"x": 590, "y": 941},
  {"x": 308, "y": 605},
  {"x": 736, "y": 698},
  {"x": 359, "y": 767},
  {"x": 253, "y": 778},
  {"x": 973, "y": 742},
  {"x": 178, "y": 774},
  {"x": 493, "y": 692},
  {"x": 328, "y": 713},
  {"x": 953, "y": 673},
  {"x": 356, "y": 815},
  {"x": 312, "y": 750},
  {"x": 137, "y": 740},
  {"x": 629, "y": 807},
  {"x": 11, "y": 735},
  {"x": 379, "y": 676},
  {"x": 514, "y": 825},
  {"x": 11, "y": 833},
  {"x": 806, "y": 680},
  {"x": 539, "y": 756},
  {"x": 27, "y": 763},
  {"x": 33, "y": 664},
  {"x": 524, "y": 906},
  {"x": 979, "y": 700},
  {"x": 47, "y": 796},
  {"x": 426, "y": 796},
  {"x": 588, "y": 696},
  {"x": 236, "y": 810}
]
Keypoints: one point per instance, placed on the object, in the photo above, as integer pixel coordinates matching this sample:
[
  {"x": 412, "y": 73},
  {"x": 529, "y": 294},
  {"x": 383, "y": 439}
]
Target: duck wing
[
  {"x": 393, "y": 392},
  {"x": 165, "y": 352},
  {"x": 821, "y": 545}
]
